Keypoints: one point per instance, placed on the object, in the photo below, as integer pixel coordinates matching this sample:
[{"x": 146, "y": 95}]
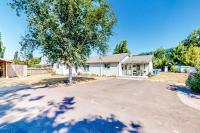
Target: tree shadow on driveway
[
  {"x": 37, "y": 117},
  {"x": 14, "y": 119},
  {"x": 184, "y": 90},
  {"x": 39, "y": 123},
  {"x": 95, "y": 124},
  {"x": 98, "y": 124}
]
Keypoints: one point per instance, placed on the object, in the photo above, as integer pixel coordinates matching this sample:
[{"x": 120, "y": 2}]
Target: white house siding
[
  {"x": 100, "y": 70},
  {"x": 62, "y": 69},
  {"x": 95, "y": 69},
  {"x": 150, "y": 67},
  {"x": 112, "y": 71},
  {"x": 120, "y": 73}
]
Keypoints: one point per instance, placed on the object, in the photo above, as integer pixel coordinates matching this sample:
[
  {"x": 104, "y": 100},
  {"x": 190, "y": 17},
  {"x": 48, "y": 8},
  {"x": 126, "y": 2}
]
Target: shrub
[
  {"x": 174, "y": 69},
  {"x": 186, "y": 70},
  {"x": 194, "y": 82}
]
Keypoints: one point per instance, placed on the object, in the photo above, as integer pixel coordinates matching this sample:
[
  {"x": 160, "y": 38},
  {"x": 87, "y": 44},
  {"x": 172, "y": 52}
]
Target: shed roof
[
  {"x": 5, "y": 60},
  {"x": 139, "y": 59},
  {"x": 107, "y": 59}
]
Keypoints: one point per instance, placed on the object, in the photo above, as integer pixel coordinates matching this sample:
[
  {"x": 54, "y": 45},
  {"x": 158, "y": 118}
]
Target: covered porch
[
  {"x": 131, "y": 69},
  {"x": 4, "y": 68}
]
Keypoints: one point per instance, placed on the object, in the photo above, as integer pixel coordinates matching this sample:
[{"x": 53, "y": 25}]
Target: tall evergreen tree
[
  {"x": 122, "y": 47},
  {"x": 2, "y": 48}
]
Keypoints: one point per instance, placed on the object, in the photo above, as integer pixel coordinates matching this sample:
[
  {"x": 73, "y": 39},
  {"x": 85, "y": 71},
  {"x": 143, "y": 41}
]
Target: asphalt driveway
[{"x": 109, "y": 106}]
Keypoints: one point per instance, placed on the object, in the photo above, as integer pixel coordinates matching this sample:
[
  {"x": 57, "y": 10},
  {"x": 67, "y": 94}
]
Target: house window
[
  {"x": 86, "y": 67},
  {"x": 129, "y": 67},
  {"x": 57, "y": 65},
  {"x": 76, "y": 68},
  {"x": 138, "y": 67},
  {"x": 125, "y": 66},
  {"x": 134, "y": 67},
  {"x": 107, "y": 65}
]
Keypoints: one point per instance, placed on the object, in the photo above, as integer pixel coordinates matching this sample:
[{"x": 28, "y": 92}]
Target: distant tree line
[
  {"x": 187, "y": 53},
  {"x": 28, "y": 60}
]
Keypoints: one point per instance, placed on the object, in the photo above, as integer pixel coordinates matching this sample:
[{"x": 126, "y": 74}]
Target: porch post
[
  {"x": 6, "y": 73},
  {"x": 131, "y": 69}
]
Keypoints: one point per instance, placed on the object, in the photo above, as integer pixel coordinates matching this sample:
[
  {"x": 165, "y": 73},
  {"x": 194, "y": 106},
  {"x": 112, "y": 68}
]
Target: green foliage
[
  {"x": 159, "y": 53},
  {"x": 186, "y": 70},
  {"x": 178, "y": 54},
  {"x": 174, "y": 69},
  {"x": 162, "y": 57},
  {"x": 122, "y": 47},
  {"x": 193, "y": 40},
  {"x": 66, "y": 30},
  {"x": 34, "y": 62},
  {"x": 17, "y": 59},
  {"x": 194, "y": 83},
  {"x": 2, "y": 48},
  {"x": 187, "y": 53},
  {"x": 30, "y": 61},
  {"x": 159, "y": 62},
  {"x": 192, "y": 57}
]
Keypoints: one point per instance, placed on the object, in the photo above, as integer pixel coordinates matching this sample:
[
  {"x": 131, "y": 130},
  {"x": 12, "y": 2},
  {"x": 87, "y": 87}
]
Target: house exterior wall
[
  {"x": 63, "y": 70},
  {"x": 120, "y": 73},
  {"x": 151, "y": 67},
  {"x": 95, "y": 69},
  {"x": 112, "y": 71}
]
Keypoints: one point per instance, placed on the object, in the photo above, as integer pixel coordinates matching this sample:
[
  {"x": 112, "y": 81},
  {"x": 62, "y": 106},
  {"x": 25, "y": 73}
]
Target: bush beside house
[
  {"x": 174, "y": 69},
  {"x": 194, "y": 82}
]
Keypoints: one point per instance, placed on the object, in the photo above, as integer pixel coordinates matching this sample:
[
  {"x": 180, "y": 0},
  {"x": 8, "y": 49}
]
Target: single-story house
[
  {"x": 8, "y": 69},
  {"x": 112, "y": 65}
]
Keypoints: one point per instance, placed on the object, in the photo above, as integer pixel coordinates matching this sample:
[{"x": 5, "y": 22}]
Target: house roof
[
  {"x": 107, "y": 59},
  {"x": 4, "y": 60},
  {"x": 139, "y": 59}
]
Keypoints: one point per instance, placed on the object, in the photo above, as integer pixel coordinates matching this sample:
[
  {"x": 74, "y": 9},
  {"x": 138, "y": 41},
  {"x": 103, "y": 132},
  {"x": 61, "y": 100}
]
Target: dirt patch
[
  {"x": 170, "y": 77},
  {"x": 47, "y": 80}
]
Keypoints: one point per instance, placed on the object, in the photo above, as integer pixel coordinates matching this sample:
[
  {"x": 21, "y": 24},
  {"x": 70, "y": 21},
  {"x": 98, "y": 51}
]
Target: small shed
[{"x": 4, "y": 67}]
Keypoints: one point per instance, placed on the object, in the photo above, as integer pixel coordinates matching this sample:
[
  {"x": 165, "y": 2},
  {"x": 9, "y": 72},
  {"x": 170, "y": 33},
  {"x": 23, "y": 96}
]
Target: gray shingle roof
[
  {"x": 139, "y": 59},
  {"x": 107, "y": 59}
]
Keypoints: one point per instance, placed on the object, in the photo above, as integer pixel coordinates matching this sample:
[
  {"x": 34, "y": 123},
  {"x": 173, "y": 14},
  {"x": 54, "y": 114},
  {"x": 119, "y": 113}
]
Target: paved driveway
[{"x": 109, "y": 106}]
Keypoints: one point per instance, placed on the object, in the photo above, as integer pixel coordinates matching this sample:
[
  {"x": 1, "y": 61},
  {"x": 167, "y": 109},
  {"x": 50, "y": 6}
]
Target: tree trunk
[{"x": 70, "y": 75}]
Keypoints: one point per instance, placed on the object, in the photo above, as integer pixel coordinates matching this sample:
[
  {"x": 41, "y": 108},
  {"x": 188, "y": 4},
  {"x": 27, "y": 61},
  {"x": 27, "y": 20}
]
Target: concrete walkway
[{"x": 109, "y": 106}]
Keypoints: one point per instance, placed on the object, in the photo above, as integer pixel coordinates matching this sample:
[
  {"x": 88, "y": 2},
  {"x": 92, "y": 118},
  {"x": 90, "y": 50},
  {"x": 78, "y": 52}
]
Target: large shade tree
[
  {"x": 178, "y": 53},
  {"x": 2, "y": 48},
  {"x": 66, "y": 30},
  {"x": 193, "y": 40},
  {"x": 192, "y": 57}
]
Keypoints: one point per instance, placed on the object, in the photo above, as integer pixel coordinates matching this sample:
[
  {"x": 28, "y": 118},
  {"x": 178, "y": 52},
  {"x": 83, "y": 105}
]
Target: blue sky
[{"x": 146, "y": 24}]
